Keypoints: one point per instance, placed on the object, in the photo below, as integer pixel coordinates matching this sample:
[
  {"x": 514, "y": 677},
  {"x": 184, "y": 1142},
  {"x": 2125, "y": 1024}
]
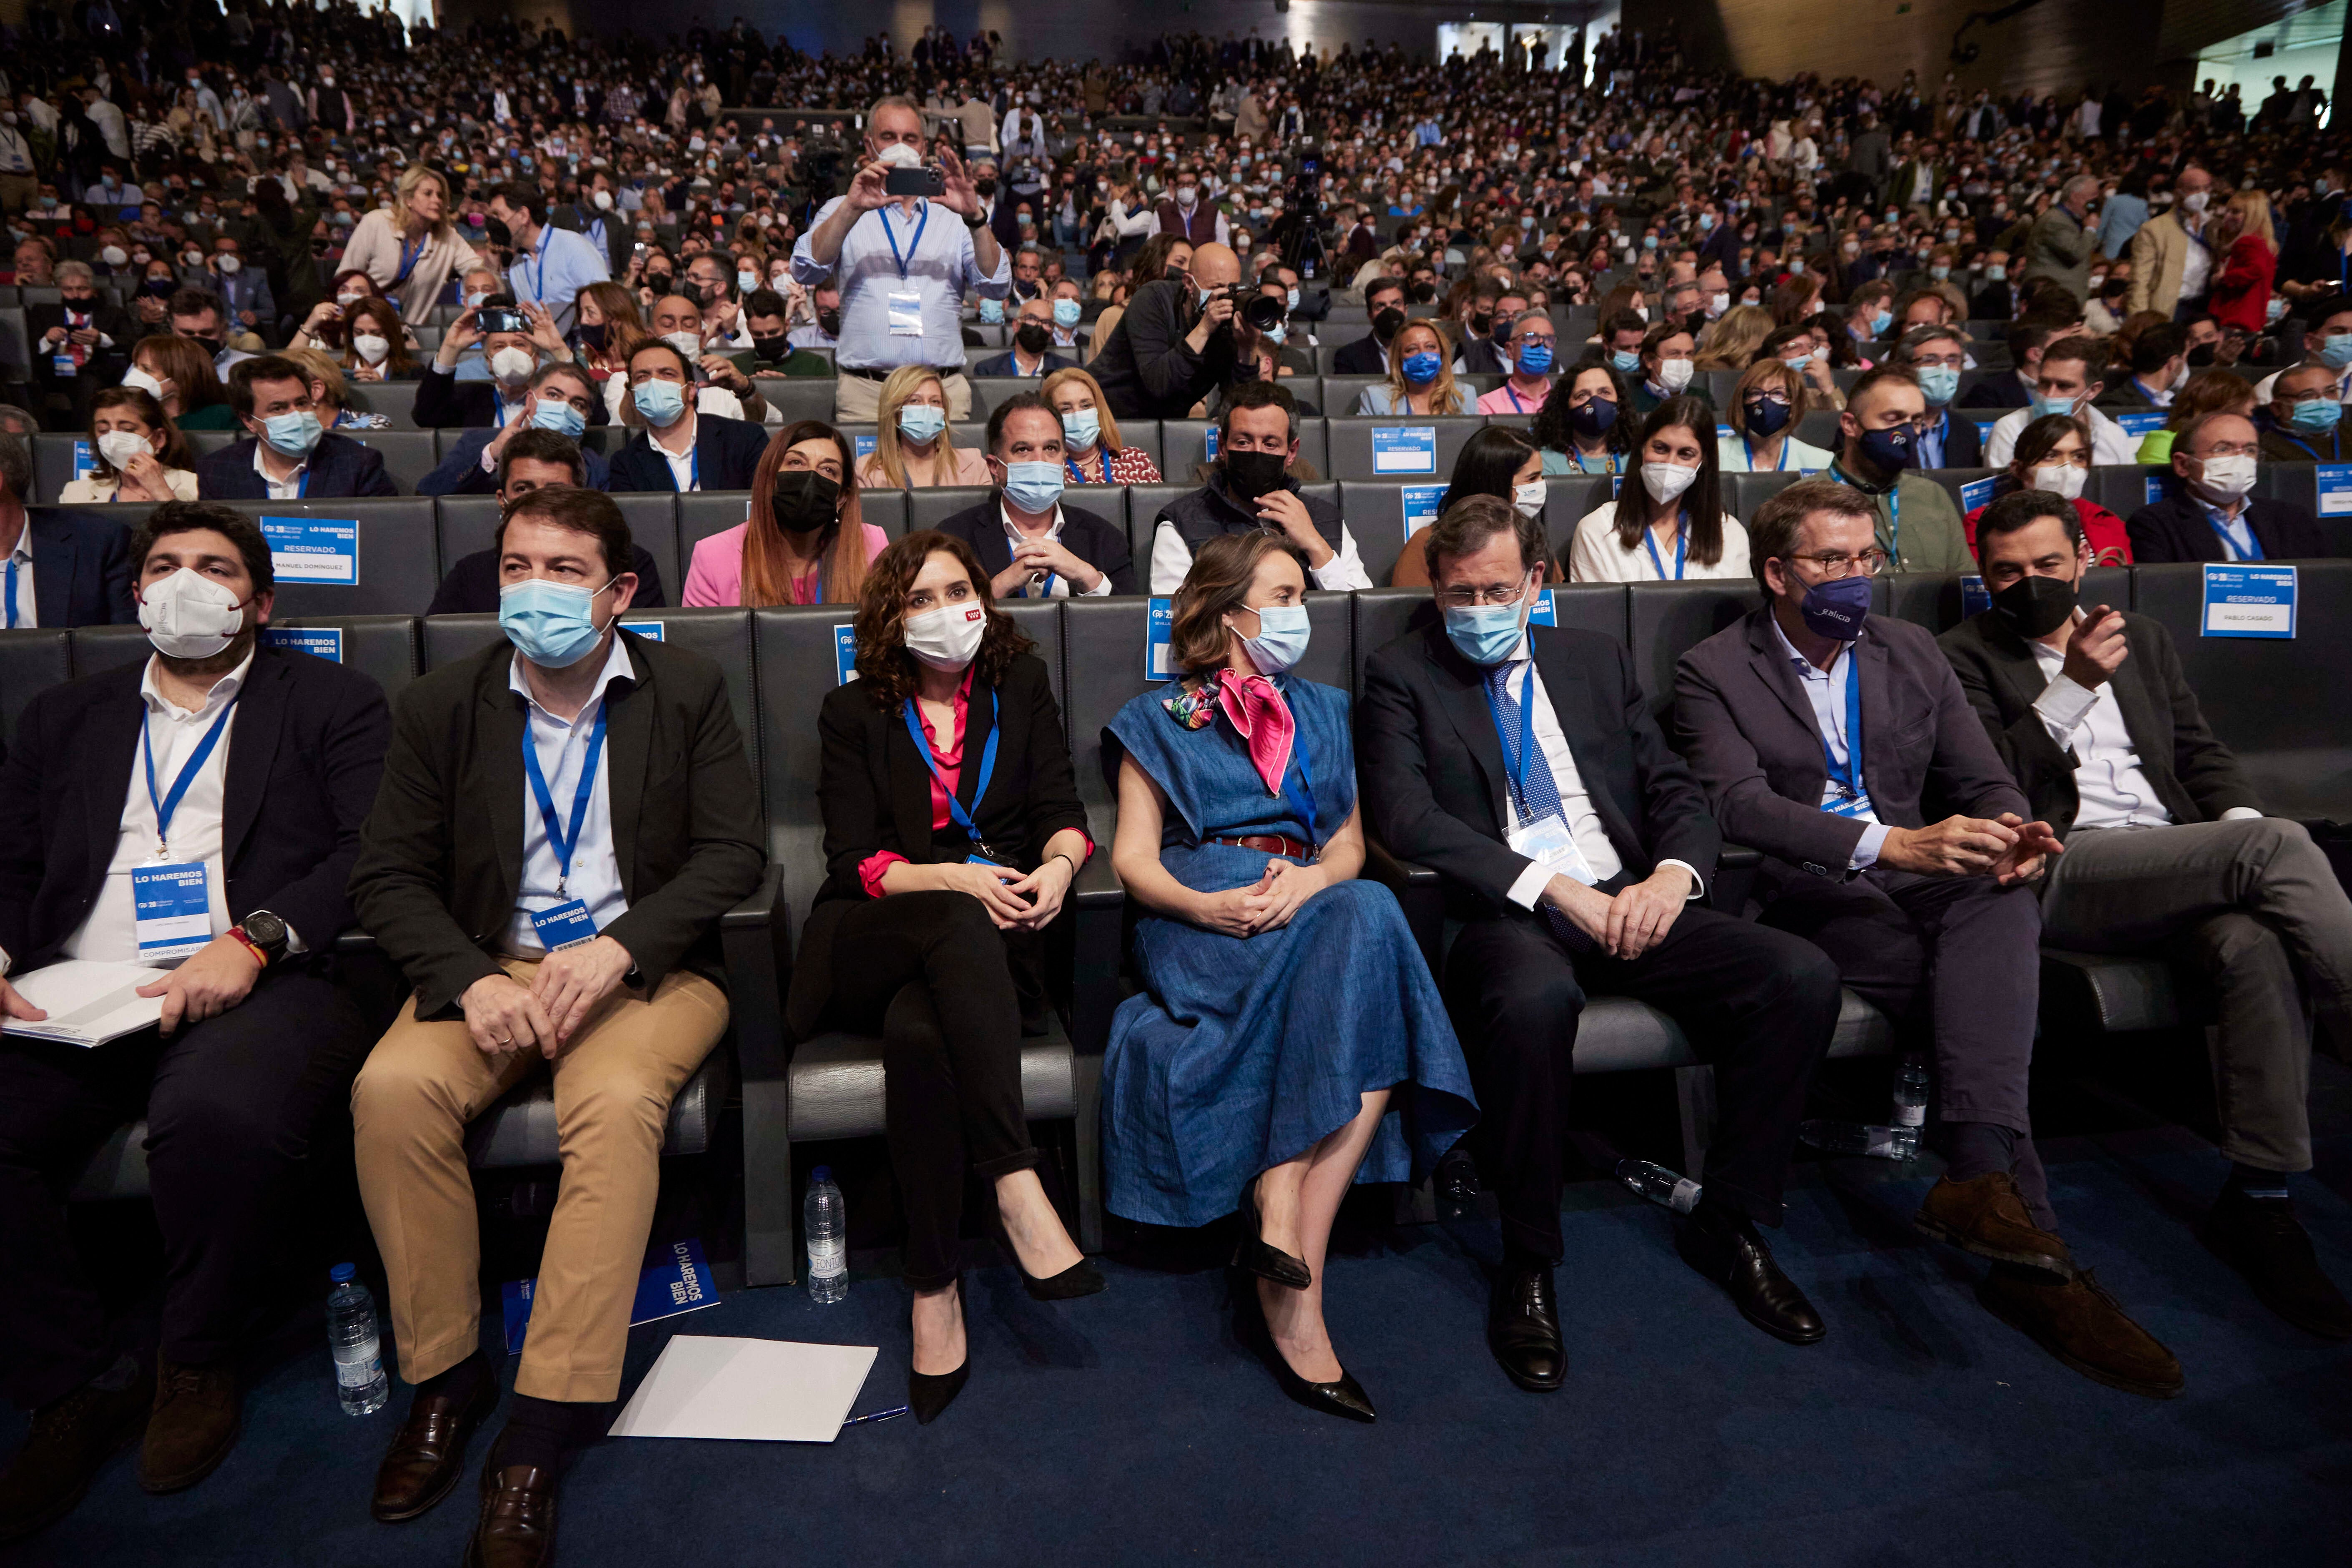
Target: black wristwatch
[{"x": 264, "y": 932}]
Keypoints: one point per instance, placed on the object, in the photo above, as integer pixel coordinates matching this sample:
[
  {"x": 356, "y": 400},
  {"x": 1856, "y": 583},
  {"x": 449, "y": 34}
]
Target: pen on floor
[{"x": 877, "y": 1416}]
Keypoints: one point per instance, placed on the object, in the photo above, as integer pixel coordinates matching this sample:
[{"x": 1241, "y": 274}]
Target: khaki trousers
[
  {"x": 856, "y": 400},
  {"x": 613, "y": 1085}
]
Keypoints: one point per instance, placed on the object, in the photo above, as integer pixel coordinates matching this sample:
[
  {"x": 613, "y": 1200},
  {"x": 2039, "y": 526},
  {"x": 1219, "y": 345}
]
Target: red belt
[{"x": 1272, "y": 844}]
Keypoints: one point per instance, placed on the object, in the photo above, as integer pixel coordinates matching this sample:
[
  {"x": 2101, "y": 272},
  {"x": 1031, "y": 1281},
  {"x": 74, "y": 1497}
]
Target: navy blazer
[
  {"x": 1004, "y": 365},
  {"x": 81, "y": 568},
  {"x": 1093, "y": 540},
  {"x": 1963, "y": 441},
  {"x": 2176, "y": 528},
  {"x": 340, "y": 468},
  {"x": 726, "y": 449},
  {"x": 460, "y": 473}
]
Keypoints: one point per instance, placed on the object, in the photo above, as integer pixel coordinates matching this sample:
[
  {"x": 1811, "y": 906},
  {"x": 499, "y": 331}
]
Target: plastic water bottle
[
  {"x": 825, "y": 1217},
  {"x": 1851, "y": 1138},
  {"x": 1660, "y": 1186},
  {"x": 350, "y": 1334},
  {"x": 1910, "y": 1112}
]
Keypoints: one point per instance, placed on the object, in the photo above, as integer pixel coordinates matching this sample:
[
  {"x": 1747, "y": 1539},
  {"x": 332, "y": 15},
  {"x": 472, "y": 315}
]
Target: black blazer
[
  {"x": 81, "y": 568},
  {"x": 728, "y": 450},
  {"x": 1366, "y": 357},
  {"x": 1963, "y": 441},
  {"x": 443, "y": 400},
  {"x": 1099, "y": 544},
  {"x": 1433, "y": 772},
  {"x": 2196, "y": 776},
  {"x": 304, "y": 756},
  {"x": 876, "y": 794},
  {"x": 1005, "y": 365},
  {"x": 471, "y": 586},
  {"x": 620, "y": 230},
  {"x": 340, "y": 468},
  {"x": 2000, "y": 390},
  {"x": 441, "y": 855},
  {"x": 111, "y": 321},
  {"x": 2176, "y": 529}
]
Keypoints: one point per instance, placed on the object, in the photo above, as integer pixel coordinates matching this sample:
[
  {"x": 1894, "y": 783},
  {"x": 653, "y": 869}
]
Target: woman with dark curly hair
[
  {"x": 952, "y": 830},
  {"x": 1586, "y": 426}
]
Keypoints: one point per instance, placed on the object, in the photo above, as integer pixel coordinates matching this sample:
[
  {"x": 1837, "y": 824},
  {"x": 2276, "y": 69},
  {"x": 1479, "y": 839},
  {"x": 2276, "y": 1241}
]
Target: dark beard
[{"x": 211, "y": 670}]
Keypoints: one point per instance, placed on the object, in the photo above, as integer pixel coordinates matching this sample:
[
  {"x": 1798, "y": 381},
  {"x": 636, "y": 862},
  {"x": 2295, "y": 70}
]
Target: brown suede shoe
[
  {"x": 70, "y": 1442},
  {"x": 193, "y": 1427},
  {"x": 2077, "y": 1321},
  {"x": 1986, "y": 1216},
  {"x": 517, "y": 1527},
  {"x": 427, "y": 1456}
]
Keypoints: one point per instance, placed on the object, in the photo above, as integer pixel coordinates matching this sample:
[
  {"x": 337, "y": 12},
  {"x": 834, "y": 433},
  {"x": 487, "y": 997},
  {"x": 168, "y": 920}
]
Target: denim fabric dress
[{"x": 1242, "y": 1052}]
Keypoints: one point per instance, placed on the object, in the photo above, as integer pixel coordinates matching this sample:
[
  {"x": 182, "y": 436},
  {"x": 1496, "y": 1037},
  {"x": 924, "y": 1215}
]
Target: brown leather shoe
[
  {"x": 70, "y": 1442},
  {"x": 427, "y": 1456},
  {"x": 2077, "y": 1321},
  {"x": 193, "y": 1427},
  {"x": 517, "y": 1527},
  {"x": 1986, "y": 1216}
]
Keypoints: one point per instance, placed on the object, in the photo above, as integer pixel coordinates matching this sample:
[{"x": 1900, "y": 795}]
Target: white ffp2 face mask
[
  {"x": 2061, "y": 480},
  {"x": 947, "y": 637},
  {"x": 189, "y": 616},
  {"x": 1667, "y": 481},
  {"x": 119, "y": 446}
]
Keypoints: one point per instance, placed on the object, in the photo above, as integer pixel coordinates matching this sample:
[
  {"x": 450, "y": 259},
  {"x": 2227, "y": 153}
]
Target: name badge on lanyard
[
  {"x": 982, "y": 852},
  {"x": 906, "y": 302},
  {"x": 1546, "y": 839},
  {"x": 171, "y": 901},
  {"x": 1845, "y": 778},
  {"x": 568, "y": 924}
]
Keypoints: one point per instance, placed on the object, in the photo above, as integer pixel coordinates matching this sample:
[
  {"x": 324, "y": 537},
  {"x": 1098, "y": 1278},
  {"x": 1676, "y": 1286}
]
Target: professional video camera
[{"x": 1302, "y": 248}]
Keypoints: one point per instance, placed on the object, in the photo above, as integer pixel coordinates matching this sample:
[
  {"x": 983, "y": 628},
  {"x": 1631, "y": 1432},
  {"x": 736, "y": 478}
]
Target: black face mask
[
  {"x": 829, "y": 321},
  {"x": 1032, "y": 337},
  {"x": 698, "y": 292},
  {"x": 1482, "y": 322},
  {"x": 2200, "y": 357},
  {"x": 1422, "y": 293},
  {"x": 983, "y": 189},
  {"x": 803, "y": 500},
  {"x": 658, "y": 282},
  {"x": 499, "y": 234},
  {"x": 161, "y": 287},
  {"x": 772, "y": 351},
  {"x": 1766, "y": 416},
  {"x": 2036, "y": 606},
  {"x": 212, "y": 346},
  {"x": 1249, "y": 475},
  {"x": 1387, "y": 321},
  {"x": 1593, "y": 418},
  {"x": 592, "y": 336}
]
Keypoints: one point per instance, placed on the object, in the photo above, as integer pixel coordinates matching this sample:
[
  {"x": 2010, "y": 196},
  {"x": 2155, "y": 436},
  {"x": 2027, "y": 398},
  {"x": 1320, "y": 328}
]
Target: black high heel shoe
[
  {"x": 1345, "y": 1398},
  {"x": 927, "y": 1394},
  {"x": 1252, "y": 1252},
  {"x": 1080, "y": 1279}
]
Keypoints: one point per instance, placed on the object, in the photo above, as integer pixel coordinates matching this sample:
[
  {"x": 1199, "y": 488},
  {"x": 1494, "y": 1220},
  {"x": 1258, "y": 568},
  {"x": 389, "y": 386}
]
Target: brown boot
[
  {"x": 1986, "y": 1216},
  {"x": 192, "y": 1428},
  {"x": 2077, "y": 1321}
]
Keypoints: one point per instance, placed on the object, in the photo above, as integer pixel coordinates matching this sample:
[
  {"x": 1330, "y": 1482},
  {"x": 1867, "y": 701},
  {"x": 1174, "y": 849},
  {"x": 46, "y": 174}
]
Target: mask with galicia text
[
  {"x": 2036, "y": 606},
  {"x": 553, "y": 625},
  {"x": 189, "y": 616},
  {"x": 1836, "y": 607}
]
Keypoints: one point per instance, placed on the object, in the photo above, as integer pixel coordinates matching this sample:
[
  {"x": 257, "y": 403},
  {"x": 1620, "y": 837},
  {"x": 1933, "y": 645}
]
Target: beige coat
[
  {"x": 93, "y": 488},
  {"x": 2159, "y": 252},
  {"x": 375, "y": 247}
]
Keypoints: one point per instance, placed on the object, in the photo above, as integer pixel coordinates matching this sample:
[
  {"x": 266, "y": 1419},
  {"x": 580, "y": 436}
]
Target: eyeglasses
[
  {"x": 1869, "y": 564},
  {"x": 1465, "y": 598}
]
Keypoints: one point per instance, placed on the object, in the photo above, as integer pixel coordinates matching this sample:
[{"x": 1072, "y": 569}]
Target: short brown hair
[
  {"x": 579, "y": 511},
  {"x": 1219, "y": 581},
  {"x": 1466, "y": 527},
  {"x": 885, "y": 668},
  {"x": 187, "y": 517},
  {"x": 1772, "y": 532}
]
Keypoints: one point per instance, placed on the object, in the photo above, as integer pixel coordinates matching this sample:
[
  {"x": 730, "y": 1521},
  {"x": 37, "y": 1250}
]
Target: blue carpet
[{"x": 1130, "y": 1428}]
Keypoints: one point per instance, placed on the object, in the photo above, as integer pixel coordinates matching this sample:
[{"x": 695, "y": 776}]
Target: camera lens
[{"x": 1263, "y": 311}]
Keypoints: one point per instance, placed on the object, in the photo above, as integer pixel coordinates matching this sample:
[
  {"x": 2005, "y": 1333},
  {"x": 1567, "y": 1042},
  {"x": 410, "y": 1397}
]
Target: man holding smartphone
[{"x": 903, "y": 271}]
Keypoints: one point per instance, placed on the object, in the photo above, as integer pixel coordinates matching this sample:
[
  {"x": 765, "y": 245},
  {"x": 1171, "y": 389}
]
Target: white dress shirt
[
  {"x": 2197, "y": 265},
  {"x": 942, "y": 266},
  {"x": 1172, "y": 558},
  {"x": 563, "y": 748},
  {"x": 27, "y": 611},
  {"x": 288, "y": 488},
  {"x": 1061, "y": 586},
  {"x": 109, "y": 932},
  {"x": 1825, "y": 690},
  {"x": 2111, "y": 444},
  {"x": 2110, "y": 787},
  {"x": 681, "y": 464}
]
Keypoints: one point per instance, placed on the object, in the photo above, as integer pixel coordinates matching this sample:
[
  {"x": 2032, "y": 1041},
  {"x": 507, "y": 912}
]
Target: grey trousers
[{"x": 2253, "y": 905}]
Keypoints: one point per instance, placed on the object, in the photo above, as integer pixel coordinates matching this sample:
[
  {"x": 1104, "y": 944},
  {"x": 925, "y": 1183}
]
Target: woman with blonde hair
[
  {"x": 807, "y": 542},
  {"x": 2241, "y": 295},
  {"x": 913, "y": 447},
  {"x": 136, "y": 453},
  {"x": 1092, "y": 453},
  {"x": 1731, "y": 340},
  {"x": 410, "y": 251},
  {"x": 1421, "y": 376}
]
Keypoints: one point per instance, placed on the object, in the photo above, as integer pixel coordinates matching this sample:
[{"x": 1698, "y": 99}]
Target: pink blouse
[{"x": 715, "y": 575}]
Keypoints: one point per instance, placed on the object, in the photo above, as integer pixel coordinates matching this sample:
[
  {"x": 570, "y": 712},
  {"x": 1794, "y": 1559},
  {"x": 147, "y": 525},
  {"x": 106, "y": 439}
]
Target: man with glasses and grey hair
[{"x": 1841, "y": 744}]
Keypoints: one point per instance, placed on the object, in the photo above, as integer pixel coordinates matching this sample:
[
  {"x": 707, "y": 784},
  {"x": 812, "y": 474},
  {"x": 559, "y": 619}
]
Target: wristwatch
[{"x": 265, "y": 934}]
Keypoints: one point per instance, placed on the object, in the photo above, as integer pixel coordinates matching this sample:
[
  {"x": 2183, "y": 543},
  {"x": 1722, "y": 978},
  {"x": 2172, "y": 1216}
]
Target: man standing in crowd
[
  {"x": 2172, "y": 265},
  {"x": 548, "y": 266},
  {"x": 231, "y": 780}
]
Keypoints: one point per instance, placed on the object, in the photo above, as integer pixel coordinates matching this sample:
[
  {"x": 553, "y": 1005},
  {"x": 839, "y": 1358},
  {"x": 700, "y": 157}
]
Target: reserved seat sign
[{"x": 2249, "y": 600}]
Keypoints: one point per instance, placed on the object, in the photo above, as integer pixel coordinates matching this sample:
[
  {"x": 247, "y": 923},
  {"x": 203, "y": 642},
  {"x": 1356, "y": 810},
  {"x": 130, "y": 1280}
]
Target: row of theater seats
[{"x": 780, "y": 664}]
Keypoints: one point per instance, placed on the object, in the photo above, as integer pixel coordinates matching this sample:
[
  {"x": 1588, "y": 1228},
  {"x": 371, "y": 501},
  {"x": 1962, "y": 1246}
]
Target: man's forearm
[{"x": 824, "y": 239}]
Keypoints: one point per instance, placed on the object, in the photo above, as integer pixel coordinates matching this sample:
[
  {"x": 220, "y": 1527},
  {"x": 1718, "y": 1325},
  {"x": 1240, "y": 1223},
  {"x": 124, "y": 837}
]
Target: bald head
[{"x": 1214, "y": 266}]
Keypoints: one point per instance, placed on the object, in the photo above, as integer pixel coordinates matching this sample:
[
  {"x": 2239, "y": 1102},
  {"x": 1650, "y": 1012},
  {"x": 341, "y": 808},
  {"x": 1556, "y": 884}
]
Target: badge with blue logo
[
  {"x": 170, "y": 910},
  {"x": 2250, "y": 601},
  {"x": 1159, "y": 627},
  {"x": 845, "y": 655},
  {"x": 1420, "y": 506},
  {"x": 1404, "y": 449},
  {"x": 313, "y": 549},
  {"x": 649, "y": 631}
]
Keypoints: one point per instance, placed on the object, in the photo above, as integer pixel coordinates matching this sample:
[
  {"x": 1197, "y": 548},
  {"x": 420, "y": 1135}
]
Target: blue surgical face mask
[
  {"x": 1996, "y": 273},
  {"x": 2318, "y": 415},
  {"x": 992, "y": 309},
  {"x": 1066, "y": 312},
  {"x": 1033, "y": 487},
  {"x": 1940, "y": 272},
  {"x": 1486, "y": 634},
  {"x": 1879, "y": 321},
  {"x": 1939, "y": 382},
  {"x": 1421, "y": 368},
  {"x": 1081, "y": 430},
  {"x": 554, "y": 414},
  {"x": 552, "y": 624},
  {"x": 293, "y": 435},
  {"x": 2336, "y": 350},
  {"x": 921, "y": 422},
  {"x": 2045, "y": 406},
  {"x": 1535, "y": 359},
  {"x": 1281, "y": 640},
  {"x": 1836, "y": 608},
  {"x": 1626, "y": 361},
  {"x": 661, "y": 402},
  {"x": 1294, "y": 299}
]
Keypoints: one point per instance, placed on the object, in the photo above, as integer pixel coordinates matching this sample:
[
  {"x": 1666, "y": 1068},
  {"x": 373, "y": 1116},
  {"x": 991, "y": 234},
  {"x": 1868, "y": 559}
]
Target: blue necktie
[{"x": 1541, "y": 798}]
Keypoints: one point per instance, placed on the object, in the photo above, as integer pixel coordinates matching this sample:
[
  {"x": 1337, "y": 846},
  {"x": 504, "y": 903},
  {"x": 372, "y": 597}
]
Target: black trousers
[
  {"x": 1758, "y": 1003},
  {"x": 231, "y": 1105},
  {"x": 934, "y": 977}
]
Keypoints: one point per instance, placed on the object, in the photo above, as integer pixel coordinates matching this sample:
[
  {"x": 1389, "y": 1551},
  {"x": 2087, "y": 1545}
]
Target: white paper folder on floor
[{"x": 762, "y": 1391}]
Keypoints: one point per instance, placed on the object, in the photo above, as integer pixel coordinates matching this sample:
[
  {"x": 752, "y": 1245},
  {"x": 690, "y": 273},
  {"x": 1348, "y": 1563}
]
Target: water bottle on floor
[
  {"x": 350, "y": 1334},
  {"x": 1851, "y": 1138},
  {"x": 825, "y": 1217},
  {"x": 1660, "y": 1186},
  {"x": 1910, "y": 1106}
]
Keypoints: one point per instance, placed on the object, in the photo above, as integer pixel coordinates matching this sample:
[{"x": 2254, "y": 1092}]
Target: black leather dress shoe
[
  {"x": 2261, "y": 1239},
  {"x": 1733, "y": 1256},
  {"x": 1523, "y": 1326},
  {"x": 1456, "y": 1178}
]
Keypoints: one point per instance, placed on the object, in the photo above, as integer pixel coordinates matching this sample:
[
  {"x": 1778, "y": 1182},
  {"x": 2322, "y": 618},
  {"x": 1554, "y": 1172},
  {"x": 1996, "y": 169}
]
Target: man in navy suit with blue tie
[{"x": 63, "y": 567}]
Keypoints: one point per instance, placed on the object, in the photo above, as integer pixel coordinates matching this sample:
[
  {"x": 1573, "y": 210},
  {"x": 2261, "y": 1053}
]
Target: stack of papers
[
  {"x": 87, "y": 1003},
  {"x": 771, "y": 1390}
]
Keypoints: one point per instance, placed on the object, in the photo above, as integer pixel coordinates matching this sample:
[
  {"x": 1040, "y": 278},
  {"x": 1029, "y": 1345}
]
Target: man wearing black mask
[
  {"x": 1250, "y": 489},
  {"x": 2168, "y": 851},
  {"x": 1031, "y": 337},
  {"x": 1918, "y": 526},
  {"x": 197, "y": 314},
  {"x": 1477, "y": 314},
  {"x": 1369, "y": 355},
  {"x": 825, "y": 331},
  {"x": 772, "y": 348}
]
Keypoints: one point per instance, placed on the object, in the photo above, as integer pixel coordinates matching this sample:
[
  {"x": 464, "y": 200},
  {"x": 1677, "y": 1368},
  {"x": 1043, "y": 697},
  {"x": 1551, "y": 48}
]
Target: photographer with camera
[
  {"x": 1183, "y": 338},
  {"x": 901, "y": 274}
]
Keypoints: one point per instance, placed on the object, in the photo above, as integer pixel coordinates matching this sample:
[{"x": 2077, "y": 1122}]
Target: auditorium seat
[
  {"x": 399, "y": 557},
  {"x": 30, "y": 659},
  {"x": 929, "y": 507},
  {"x": 408, "y": 454},
  {"x": 701, "y": 514},
  {"x": 466, "y": 524},
  {"x": 798, "y": 397},
  {"x": 1184, "y": 448}
]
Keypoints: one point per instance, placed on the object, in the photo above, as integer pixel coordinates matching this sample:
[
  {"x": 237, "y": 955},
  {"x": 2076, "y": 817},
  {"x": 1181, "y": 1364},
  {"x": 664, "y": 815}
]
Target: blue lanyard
[
  {"x": 169, "y": 804},
  {"x": 409, "y": 256},
  {"x": 1848, "y": 776},
  {"x": 1780, "y": 461},
  {"x": 1682, "y": 548},
  {"x": 1516, "y": 752},
  {"x": 539, "y": 278},
  {"x": 1614, "y": 457},
  {"x": 559, "y": 839},
  {"x": 1072, "y": 464},
  {"x": 2230, "y": 551},
  {"x": 914, "y": 247},
  {"x": 1514, "y": 397},
  {"x": 956, "y": 812},
  {"x": 12, "y": 592}
]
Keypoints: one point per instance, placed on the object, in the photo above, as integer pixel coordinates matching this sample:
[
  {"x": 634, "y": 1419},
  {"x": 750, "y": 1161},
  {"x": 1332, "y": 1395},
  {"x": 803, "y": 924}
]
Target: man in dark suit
[
  {"x": 91, "y": 335},
  {"x": 287, "y": 455},
  {"x": 2159, "y": 363},
  {"x": 2213, "y": 515},
  {"x": 266, "y": 761},
  {"x": 1369, "y": 355},
  {"x": 533, "y": 460},
  {"x": 2168, "y": 851},
  {"x": 678, "y": 447},
  {"x": 1030, "y": 543},
  {"x": 1934, "y": 356},
  {"x": 63, "y": 567},
  {"x": 1934, "y": 921},
  {"x": 593, "y": 946},
  {"x": 1522, "y": 764},
  {"x": 2026, "y": 339},
  {"x": 562, "y": 401},
  {"x": 1169, "y": 351},
  {"x": 595, "y": 215},
  {"x": 1032, "y": 337}
]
